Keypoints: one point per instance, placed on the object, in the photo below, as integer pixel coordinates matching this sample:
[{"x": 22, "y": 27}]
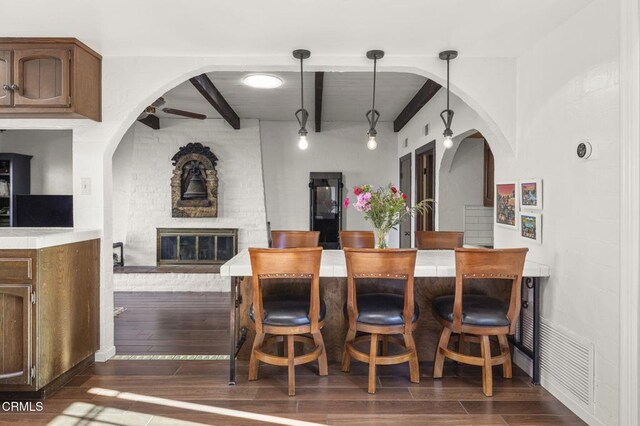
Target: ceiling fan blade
[
  {"x": 151, "y": 120},
  {"x": 182, "y": 113},
  {"x": 159, "y": 102}
]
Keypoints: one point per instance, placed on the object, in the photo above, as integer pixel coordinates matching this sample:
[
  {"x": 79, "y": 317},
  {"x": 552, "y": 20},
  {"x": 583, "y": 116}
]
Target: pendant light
[
  {"x": 447, "y": 114},
  {"x": 302, "y": 115},
  {"x": 373, "y": 115}
]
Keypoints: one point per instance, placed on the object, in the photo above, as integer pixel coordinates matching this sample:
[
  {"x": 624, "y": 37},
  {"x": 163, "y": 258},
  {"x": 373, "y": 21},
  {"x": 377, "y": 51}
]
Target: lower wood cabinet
[
  {"x": 16, "y": 336},
  {"x": 49, "y": 313}
]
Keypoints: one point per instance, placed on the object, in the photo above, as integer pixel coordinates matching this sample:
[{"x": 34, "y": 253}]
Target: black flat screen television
[{"x": 41, "y": 211}]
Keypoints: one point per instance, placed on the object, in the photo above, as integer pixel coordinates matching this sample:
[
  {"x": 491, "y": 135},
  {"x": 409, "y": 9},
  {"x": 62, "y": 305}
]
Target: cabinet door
[
  {"x": 42, "y": 77},
  {"x": 15, "y": 335},
  {"x": 6, "y": 96}
]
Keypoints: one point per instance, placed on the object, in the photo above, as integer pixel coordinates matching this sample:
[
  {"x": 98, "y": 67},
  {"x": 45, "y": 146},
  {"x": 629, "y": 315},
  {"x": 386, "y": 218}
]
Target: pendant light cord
[
  {"x": 373, "y": 104},
  {"x": 448, "y": 84},
  {"x": 301, "y": 86}
]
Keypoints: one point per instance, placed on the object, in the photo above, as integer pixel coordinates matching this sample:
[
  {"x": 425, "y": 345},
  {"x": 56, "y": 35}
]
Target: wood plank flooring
[
  {"x": 175, "y": 323},
  {"x": 177, "y": 392},
  {"x": 196, "y": 392}
]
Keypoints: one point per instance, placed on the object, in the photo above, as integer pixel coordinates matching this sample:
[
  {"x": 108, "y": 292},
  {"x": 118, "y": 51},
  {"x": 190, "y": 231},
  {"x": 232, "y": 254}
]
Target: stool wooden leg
[
  {"x": 373, "y": 352},
  {"x": 462, "y": 344},
  {"x": 346, "y": 358},
  {"x": 290, "y": 364},
  {"x": 487, "y": 371},
  {"x": 254, "y": 363},
  {"x": 507, "y": 371},
  {"x": 438, "y": 363},
  {"x": 414, "y": 368},
  {"x": 322, "y": 360},
  {"x": 385, "y": 345}
]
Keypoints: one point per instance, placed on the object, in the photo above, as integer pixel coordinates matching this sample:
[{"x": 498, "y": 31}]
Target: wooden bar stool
[
  {"x": 381, "y": 314},
  {"x": 357, "y": 239},
  {"x": 294, "y": 239},
  {"x": 439, "y": 240},
  {"x": 478, "y": 317},
  {"x": 286, "y": 315}
]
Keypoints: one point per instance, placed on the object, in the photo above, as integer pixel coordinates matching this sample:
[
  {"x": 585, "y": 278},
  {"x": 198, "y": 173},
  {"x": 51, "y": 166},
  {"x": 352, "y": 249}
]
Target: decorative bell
[{"x": 195, "y": 188}]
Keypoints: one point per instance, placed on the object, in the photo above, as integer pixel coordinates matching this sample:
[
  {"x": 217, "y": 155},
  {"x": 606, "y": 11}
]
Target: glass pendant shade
[{"x": 303, "y": 143}]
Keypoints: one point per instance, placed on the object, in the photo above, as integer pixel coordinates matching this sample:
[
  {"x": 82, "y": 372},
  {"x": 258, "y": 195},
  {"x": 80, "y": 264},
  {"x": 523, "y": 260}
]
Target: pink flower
[
  {"x": 346, "y": 202},
  {"x": 357, "y": 190},
  {"x": 394, "y": 189},
  {"x": 366, "y": 197}
]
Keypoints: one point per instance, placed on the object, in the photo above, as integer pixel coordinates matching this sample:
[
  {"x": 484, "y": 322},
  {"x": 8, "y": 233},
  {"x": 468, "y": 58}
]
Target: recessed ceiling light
[{"x": 262, "y": 81}]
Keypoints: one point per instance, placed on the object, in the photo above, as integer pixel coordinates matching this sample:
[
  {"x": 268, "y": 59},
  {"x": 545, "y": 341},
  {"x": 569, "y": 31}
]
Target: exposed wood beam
[
  {"x": 319, "y": 89},
  {"x": 206, "y": 88},
  {"x": 152, "y": 121},
  {"x": 182, "y": 113},
  {"x": 424, "y": 95}
]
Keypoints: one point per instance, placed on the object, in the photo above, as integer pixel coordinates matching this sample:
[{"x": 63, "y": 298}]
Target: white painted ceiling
[
  {"x": 484, "y": 28},
  {"x": 346, "y": 96}
]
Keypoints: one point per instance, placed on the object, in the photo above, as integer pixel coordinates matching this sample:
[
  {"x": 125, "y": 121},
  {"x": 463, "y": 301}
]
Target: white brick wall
[
  {"x": 478, "y": 225},
  {"x": 144, "y": 180},
  {"x": 170, "y": 282}
]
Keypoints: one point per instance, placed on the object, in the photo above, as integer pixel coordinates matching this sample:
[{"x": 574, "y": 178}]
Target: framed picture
[
  {"x": 531, "y": 194},
  {"x": 531, "y": 226},
  {"x": 507, "y": 205}
]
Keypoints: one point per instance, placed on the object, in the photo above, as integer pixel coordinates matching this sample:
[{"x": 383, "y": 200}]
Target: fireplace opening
[{"x": 196, "y": 246}]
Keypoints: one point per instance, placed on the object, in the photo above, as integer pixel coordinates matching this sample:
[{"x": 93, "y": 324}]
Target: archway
[
  {"x": 179, "y": 71},
  {"x": 466, "y": 189}
]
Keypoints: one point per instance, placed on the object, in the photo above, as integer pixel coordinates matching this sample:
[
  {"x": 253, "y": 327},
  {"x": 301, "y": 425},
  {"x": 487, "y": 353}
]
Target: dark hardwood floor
[
  {"x": 173, "y": 392},
  {"x": 176, "y": 323},
  {"x": 196, "y": 392}
]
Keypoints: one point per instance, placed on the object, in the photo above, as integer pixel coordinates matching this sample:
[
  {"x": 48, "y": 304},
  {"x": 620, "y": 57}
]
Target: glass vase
[{"x": 381, "y": 238}]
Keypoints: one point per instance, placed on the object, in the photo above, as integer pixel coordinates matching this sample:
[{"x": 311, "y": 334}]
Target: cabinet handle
[
  {"x": 11, "y": 87},
  {"x": 14, "y": 87},
  {"x": 6, "y": 87}
]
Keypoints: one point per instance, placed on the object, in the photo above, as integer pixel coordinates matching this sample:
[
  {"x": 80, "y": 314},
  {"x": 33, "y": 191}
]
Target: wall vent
[
  {"x": 565, "y": 359},
  {"x": 426, "y": 129}
]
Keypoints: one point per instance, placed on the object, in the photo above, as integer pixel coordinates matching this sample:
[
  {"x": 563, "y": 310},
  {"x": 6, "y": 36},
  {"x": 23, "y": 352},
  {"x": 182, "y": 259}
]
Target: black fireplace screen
[{"x": 196, "y": 246}]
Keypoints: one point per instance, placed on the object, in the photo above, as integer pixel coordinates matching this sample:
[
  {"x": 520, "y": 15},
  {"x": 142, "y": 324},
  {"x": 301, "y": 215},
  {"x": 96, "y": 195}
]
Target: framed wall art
[
  {"x": 507, "y": 204},
  {"x": 530, "y": 194},
  {"x": 531, "y": 226}
]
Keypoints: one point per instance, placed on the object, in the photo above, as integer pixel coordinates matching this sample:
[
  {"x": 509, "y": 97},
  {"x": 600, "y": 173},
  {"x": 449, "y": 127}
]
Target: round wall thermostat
[{"x": 584, "y": 150}]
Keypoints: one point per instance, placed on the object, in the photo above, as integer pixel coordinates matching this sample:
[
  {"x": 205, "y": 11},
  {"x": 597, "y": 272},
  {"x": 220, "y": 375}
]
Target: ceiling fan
[{"x": 150, "y": 118}]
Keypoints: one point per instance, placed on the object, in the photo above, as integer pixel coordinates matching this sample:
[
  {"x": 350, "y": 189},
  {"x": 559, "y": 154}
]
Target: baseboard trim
[{"x": 105, "y": 355}]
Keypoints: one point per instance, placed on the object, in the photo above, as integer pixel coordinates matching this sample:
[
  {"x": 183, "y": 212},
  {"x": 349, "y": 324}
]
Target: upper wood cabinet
[{"x": 49, "y": 78}]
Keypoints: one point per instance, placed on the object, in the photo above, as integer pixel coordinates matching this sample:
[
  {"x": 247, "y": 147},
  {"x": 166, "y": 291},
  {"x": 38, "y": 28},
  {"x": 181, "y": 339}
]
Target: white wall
[
  {"x": 51, "y": 165},
  {"x": 461, "y": 184},
  {"x": 142, "y": 193},
  {"x": 340, "y": 147},
  {"x": 568, "y": 90}
]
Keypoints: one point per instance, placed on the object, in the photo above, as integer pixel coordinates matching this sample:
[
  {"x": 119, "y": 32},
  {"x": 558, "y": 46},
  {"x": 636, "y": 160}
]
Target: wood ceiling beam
[
  {"x": 152, "y": 121},
  {"x": 424, "y": 95},
  {"x": 319, "y": 90},
  {"x": 207, "y": 89}
]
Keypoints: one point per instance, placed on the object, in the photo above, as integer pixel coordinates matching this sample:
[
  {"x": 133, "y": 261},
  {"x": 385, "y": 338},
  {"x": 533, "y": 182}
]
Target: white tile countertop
[
  {"x": 36, "y": 238},
  {"x": 429, "y": 263}
]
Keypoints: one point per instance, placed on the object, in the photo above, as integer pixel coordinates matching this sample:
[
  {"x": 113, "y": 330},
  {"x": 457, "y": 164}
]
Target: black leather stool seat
[
  {"x": 382, "y": 309},
  {"x": 477, "y": 310},
  {"x": 287, "y": 310}
]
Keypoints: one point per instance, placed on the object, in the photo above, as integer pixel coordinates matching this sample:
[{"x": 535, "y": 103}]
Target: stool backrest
[
  {"x": 278, "y": 264},
  {"x": 439, "y": 240},
  {"x": 380, "y": 263},
  {"x": 505, "y": 264},
  {"x": 294, "y": 239},
  {"x": 357, "y": 239}
]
